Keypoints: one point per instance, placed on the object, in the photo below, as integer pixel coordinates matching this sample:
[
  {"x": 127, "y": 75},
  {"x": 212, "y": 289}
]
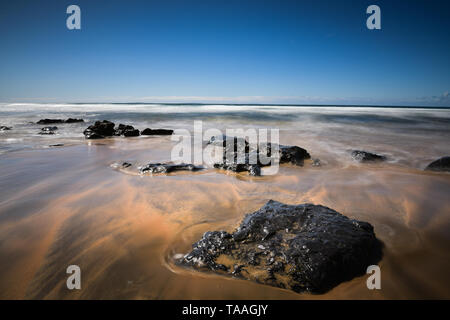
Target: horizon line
[{"x": 244, "y": 104}]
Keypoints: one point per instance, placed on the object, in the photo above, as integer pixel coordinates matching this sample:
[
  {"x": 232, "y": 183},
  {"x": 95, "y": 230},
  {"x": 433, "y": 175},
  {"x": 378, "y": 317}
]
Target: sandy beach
[{"x": 67, "y": 205}]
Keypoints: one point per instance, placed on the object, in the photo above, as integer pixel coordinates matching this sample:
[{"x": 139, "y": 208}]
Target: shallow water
[{"x": 66, "y": 205}]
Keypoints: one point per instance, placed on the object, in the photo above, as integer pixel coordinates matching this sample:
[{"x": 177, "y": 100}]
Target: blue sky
[{"x": 299, "y": 52}]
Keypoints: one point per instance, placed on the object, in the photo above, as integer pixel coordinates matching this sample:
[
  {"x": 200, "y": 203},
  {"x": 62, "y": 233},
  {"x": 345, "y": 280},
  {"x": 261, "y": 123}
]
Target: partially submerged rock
[
  {"x": 221, "y": 140},
  {"x": 5, "y": 128},
  {"x": 52, "y": 121},
  {"x": 154, "y": 167},
  {"x": 239, "y": 155},
  {"x": 252, "y": 169},
  {"x": 442, "y": 164},
  {"x": 364, "y": 156},
  {"x": 99, "y": 130},
  {"x": 153, "y": 132},
  {"x": 316, "y": 163},
  {"x": 125, "y": 165},
  {"x": 73, "y": 120},
  {"x": 232, "y": 148},
  {"x": 293, "y": 154},
  {"x": 126, "y": 131},
  {"x": 48, "y": 130},
  {"x": 105, "y": 128},
  {"x": 302, "y": 247},
  {"x": 166, "y": 167}
]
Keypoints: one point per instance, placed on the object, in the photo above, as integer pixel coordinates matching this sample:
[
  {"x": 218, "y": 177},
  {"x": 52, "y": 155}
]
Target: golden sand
[{"x": 67, "y": 206}]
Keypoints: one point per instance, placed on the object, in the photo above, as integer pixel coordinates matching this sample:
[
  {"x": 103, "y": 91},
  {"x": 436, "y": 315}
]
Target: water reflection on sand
[{"x": 67, "y": 206}]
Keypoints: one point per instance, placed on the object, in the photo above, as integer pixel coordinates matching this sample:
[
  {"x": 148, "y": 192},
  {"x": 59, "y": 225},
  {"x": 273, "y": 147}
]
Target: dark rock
[
  {"x": 92, "y": 135},
  {"x": 167, "y": 168},
  {"x": 153, "y": 132},
  {"x": 48, "y": 130},
  {"x": 252, "y": 169},
  {"x": 222, "y": 141},
  {"x": 50, "y": 121},
  {"x": 5, "y": 128},
  {"x": 232, "y": 148},
  {"x": 99, "y": 130},
  {"x": 293, "y": 154},
  {"x": 126, "y": 131},
  {"x": 150, "y": 168},
  {"x": 302, "y": 247},
  {"x": 57, "y": 145},
  {"x": 251, "y": 155},
  {"x": 364, "y": 156},
  {"x": 72, "y": 120},
  {"x": 121, "y": 128},
  {"x": 442, "y": 164},
  {"x": 126, "y": 165},
  {"x": 131, "y": 133}
]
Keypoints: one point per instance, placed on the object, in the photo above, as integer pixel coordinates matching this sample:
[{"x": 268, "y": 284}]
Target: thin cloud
[{"x": 444, "y": 98}]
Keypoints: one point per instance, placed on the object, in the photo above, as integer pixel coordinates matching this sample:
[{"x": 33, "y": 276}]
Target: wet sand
[{"x": 64, "y": 206}]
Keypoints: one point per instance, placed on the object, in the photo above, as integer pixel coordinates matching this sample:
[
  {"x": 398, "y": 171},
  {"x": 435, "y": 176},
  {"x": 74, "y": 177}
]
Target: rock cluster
[
  {"x": 239, "y": 155},
  {"x": 105, "y": 128},
  {"x": 52, "y": 121}
]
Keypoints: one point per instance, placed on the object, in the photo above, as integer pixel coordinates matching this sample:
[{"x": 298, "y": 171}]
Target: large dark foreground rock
[
  {"x": 303, "y": 247},
  {"x": 251, "y": 160},
  {"x": 442, "y": 164}
]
